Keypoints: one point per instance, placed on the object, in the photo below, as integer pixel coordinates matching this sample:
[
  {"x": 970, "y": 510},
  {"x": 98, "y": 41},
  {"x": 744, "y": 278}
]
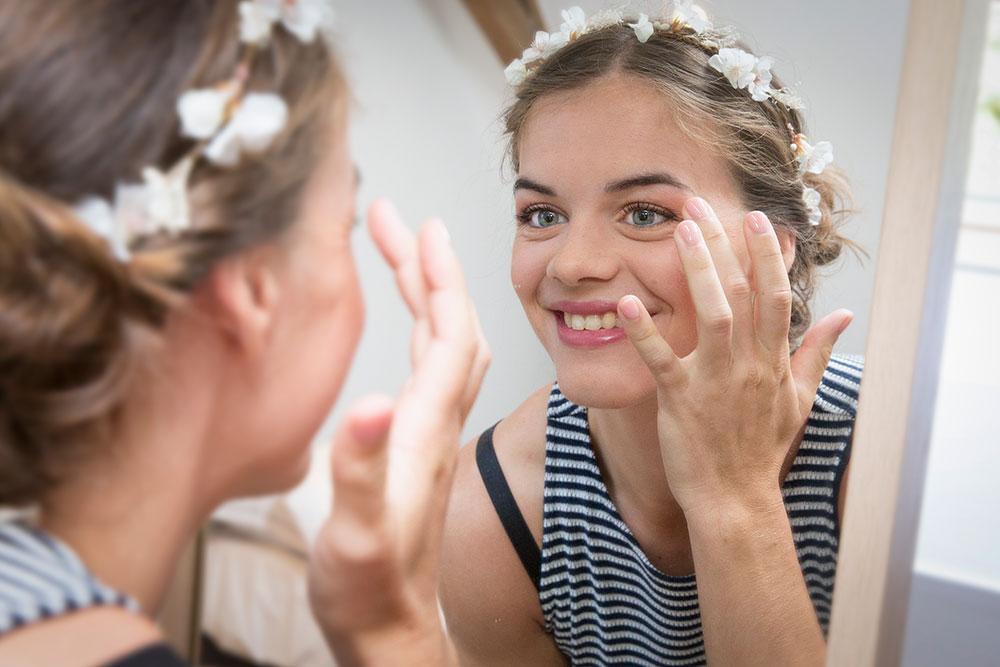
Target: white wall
[{"x": 426, "y": 133}]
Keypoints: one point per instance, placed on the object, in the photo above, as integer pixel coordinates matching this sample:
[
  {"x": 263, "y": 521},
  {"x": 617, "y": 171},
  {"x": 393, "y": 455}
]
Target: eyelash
[
  {"x": 646, "y": 206},
  {"x": 524, "y": 216}
]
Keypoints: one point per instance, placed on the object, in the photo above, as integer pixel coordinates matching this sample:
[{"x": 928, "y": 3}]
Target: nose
[{"x": 586, "y": 253}]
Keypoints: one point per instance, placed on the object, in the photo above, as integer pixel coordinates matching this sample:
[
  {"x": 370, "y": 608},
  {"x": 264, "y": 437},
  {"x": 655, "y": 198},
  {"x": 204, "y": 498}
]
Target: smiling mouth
[{"x": 577, "y": 322}]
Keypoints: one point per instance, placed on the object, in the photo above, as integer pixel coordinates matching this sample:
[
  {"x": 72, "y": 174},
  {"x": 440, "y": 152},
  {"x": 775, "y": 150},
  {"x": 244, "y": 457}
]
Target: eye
[
  {"x": 541, "y": 218},
  {"x": 646, "y": 215}
]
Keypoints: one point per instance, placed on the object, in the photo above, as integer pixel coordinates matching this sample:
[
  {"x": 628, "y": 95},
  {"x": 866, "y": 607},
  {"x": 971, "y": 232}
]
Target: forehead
[{"x": 617, "y": 126}]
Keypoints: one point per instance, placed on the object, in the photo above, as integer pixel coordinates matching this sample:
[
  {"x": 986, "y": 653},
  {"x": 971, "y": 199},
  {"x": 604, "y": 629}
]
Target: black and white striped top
[
  {"x": 40, "y": 577},
  {"x": 604, "y": 601}
]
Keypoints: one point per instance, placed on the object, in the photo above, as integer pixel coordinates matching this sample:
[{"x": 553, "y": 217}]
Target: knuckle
[
  {"x": 719, "y": 323},
  {"x": 738, "y": 287},
  {"x": 714, "y": 235},
  {"x": 781, "y": 300}
]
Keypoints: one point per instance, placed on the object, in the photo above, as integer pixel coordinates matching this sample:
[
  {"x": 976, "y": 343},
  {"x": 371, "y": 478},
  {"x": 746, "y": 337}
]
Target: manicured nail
[
  {"x": 697, "y": 207},
  {"x": 759, "y": 222},
  {"x": 630, "y": 308},
  {"x": 690, "y": 233}
]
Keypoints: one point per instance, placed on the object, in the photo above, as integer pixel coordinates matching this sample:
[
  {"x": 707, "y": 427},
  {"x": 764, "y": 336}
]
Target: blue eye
[
  {"x": 644, "y": 217},
  {"x": 542, "y": 218}
]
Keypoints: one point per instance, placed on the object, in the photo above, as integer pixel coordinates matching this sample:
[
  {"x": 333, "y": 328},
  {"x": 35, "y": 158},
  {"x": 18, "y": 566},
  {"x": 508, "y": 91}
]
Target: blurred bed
[{"x": 255, "y": 609}]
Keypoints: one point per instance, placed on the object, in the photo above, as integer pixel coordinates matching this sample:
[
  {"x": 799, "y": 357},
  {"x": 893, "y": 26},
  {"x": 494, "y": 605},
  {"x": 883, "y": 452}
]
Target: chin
[{"x": 608, "y": 388}]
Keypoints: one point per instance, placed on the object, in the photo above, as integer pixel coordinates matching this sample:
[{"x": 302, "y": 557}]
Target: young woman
[
  {"x": 671, "y": 218},
  {"x": 178, "y": 311}
]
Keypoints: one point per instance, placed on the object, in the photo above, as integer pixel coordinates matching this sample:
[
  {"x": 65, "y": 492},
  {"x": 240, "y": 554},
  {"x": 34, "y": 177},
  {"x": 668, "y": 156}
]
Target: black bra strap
[{"x": 506, "y": 507}]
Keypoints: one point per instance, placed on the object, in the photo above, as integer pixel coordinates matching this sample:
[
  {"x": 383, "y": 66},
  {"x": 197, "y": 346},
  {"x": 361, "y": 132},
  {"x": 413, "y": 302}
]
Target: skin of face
[
  {"x": 315, "y": 319},
  {"x": 591, "y": 235}
]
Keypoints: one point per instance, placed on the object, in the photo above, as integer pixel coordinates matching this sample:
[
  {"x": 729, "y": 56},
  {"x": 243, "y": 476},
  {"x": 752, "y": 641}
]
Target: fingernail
[
  {"x": 759, "y": 222},
  {"x": 630, "y": 308},
  {"x": 697, "y": 207},
  {"x": 439, "y": 223},
  {"x": 846, "y": 323},
  {"x": 690, "y": 233}
]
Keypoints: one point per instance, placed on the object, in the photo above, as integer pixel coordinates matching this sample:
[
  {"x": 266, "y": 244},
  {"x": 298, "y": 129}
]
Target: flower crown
[
  {"x": 225, "y": 119},
  {"x": 743, "y": 70}
]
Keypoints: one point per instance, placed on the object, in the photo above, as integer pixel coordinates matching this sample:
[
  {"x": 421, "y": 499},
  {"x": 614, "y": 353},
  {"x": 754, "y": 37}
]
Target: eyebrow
[
  {"x": 528, "y": 184},
  {"x": 639, "y": 181},
  {"x": 643, "y": 180}
]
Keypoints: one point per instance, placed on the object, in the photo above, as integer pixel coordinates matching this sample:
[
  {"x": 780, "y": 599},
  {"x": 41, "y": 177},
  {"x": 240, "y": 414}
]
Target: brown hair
[
  {"x": 88, "y": 94},
  {"x": 753, "y": 137}
]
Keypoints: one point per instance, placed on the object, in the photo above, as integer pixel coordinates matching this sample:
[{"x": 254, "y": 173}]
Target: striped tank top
[
  {"x": 40, "y": 577},
  {"x": 602, "y": 599}
]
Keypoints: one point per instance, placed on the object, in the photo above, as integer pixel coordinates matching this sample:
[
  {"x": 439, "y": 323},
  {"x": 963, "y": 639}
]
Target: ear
[
  {"x": 241, "y": 295},
  {"x": 786, "y": 240}
]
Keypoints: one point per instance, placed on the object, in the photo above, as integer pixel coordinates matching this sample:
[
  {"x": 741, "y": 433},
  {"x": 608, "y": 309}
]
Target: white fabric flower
[
  {"x": 605, "y": 19},
  {"x": 544, "y": 45},
  {"x": 516, "y": 72},
  {"x": 788, "y": 98},
  {"x": 811, "y": 198},
  {"x": 302, "y": 18},
  {"x": 307, "y": 18},
  {"x": 812, "y": 159},
  {"x": 97, "y": 214},
  {"x": 257, "y": 120},
  {"x": 158, "y": 204},
  {"x": 167, "y": 208},
  {"x": 202, "y": 111},
  {"x": 257, "y": 17},
  {"x": 691, "y": 15},
  {"x": 760, "y": 87},
  {"x": 574, "y": 22},
  {"x": 736, "y": 65},
  {"x": 643, "y": 28}
]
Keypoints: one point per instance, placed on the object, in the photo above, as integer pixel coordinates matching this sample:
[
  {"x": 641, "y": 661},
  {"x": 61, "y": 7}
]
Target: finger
[
  {"x": 811, "y": 359},
  {"x": 715, "y": 317},
  {"x": 398, "y": 247},
  {"x": 358, "y": 461},
  {"x": 480, "y": 365},
  {"x": 732, "y": 275},
  {"x": 774, "y": 293},
  {"x": 429, "y": 414},
  {"x": 654, "y": 351},
  {"x": 419, "y": 340}
]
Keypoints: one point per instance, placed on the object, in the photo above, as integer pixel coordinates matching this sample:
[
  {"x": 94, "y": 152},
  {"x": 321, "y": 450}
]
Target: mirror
[{"x": 426, "y": 130}]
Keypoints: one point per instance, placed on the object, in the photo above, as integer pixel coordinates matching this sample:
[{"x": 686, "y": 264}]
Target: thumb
[
  {"x": 811, "y": 359},
  {"x": 359, "y": 459}
]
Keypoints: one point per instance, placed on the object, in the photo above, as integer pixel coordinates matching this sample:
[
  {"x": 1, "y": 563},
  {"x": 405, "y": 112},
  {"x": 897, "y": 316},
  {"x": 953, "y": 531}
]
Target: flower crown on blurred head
[
  {"x": 743, "y": 70},
  {"x": 225, "y": 119}
]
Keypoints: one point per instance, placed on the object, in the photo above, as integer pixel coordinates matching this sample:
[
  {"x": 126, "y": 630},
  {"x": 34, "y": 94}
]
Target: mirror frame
[{"x": 929, "y": 160}]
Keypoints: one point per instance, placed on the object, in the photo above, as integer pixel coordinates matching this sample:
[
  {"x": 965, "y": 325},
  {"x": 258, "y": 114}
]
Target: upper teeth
[{"x": 590, "y": 322}]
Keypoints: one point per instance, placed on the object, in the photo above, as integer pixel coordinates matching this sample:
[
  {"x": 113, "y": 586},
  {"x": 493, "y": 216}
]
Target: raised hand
[
  {"x": 730, "y": 410},
  {"x": 373, "y": 574}
]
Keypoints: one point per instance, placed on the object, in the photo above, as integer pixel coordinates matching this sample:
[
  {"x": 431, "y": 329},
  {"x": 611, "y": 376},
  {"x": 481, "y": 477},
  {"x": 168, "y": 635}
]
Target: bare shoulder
[
  {"x": 87, "y": 637},
  {"x": 491, "y": 605}
]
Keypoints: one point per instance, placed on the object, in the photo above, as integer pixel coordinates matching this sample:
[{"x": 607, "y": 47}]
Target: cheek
[
  {"x": 527, "y": 268},
  {"x": 663, "y": 275}
]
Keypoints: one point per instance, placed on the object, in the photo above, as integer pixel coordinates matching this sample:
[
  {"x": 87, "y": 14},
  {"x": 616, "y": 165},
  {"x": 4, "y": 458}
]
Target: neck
[
  {"x": 627, "y": 443},
  {"x": 130, "y": 512}
]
